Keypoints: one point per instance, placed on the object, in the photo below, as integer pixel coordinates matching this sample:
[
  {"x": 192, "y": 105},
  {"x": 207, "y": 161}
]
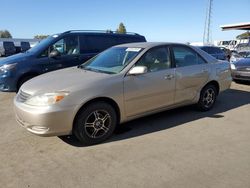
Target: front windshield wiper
[{"x": 94, "y": 70}]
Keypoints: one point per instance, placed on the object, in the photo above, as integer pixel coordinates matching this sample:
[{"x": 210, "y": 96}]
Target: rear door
[
  {"x": 154, "y": 89},
  {"x": 192, "y": 72}
]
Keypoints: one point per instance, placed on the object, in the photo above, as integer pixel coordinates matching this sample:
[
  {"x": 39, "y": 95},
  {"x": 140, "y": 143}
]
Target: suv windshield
[{"x": 111, "y": 61}]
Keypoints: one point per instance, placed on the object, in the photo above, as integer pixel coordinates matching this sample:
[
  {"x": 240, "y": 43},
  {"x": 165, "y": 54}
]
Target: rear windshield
[{"x": 8, "y": 44}]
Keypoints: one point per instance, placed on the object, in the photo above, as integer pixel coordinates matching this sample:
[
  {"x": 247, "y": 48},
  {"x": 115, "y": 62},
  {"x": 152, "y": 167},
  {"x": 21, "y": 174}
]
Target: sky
[{"x": 157, "y": 20}]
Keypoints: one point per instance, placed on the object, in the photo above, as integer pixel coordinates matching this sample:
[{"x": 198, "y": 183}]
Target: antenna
[{"x": 207, "y": 35}]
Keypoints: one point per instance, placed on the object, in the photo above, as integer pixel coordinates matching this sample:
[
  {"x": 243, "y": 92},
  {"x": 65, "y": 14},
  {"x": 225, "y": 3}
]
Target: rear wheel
[
  {"x": 207, "y": 97},
  {"x": 95, "y": 123}
]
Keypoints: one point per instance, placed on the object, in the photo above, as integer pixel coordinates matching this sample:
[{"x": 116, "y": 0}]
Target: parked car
[
  {"x": 235, "y": 56},
  {"x": 7, "y": 48},
  {"x": 58, "y": 51},
  {"x": 22, "y": 47},
  {"x": 241, "y": 69},
  {"x": 227, "y": 52},
  {"x": 215, "y": 52},
  {"x": 120, "y": 84}
]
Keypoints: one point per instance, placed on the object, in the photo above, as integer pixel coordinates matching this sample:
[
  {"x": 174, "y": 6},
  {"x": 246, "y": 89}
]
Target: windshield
[
  {"x": 111, "y": 61},
  {"x": 41, "y": 45}
]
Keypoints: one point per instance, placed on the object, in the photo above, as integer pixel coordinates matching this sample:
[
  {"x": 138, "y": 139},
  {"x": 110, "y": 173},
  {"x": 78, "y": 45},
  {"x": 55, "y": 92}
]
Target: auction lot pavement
[{"x": 176, "y": 148}]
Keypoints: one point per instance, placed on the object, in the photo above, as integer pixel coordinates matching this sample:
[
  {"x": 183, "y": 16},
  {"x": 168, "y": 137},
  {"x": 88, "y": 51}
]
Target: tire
[
  {"x": 208, "y": 97},
  {"x": 23, "y": 80},
  {"x": 95, "y": 123}
]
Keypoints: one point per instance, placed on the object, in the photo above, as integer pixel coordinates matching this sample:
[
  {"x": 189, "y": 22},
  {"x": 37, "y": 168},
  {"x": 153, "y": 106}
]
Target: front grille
[
  {"x": 22, "y": 96},
  {"x": 244, "y": 77},
  {"x": 245, "y": 69}
]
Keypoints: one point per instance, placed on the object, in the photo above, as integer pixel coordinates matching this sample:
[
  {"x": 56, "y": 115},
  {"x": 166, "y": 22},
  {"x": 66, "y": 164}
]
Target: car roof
[
  {"x": 146, "y": 44},
  {"x": 208, "y": 46}
]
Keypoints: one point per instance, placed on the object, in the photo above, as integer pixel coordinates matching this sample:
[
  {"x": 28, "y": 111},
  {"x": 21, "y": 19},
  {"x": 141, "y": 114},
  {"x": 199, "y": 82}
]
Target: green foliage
[
  {"x": 40, "y": 36},
  {"x": 5, "y": 34},
  {"x": 244, "y": 35},
  {"x": 121, "y": 29}
]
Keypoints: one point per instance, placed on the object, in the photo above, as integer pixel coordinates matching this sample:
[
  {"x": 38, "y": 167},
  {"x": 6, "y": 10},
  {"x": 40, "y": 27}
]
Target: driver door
[
  {"x": 69, "y": 52},
  {"x": 154, "y": 89},
  {"x": 68, "y": 55}
]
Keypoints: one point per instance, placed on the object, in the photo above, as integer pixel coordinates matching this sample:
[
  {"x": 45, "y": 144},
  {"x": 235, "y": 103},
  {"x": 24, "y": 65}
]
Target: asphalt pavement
[{"x": 177, "y": 148}]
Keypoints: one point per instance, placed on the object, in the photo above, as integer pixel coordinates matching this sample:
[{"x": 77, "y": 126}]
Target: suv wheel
[
  {"x": 207, "y": 98},
  {"x": 95, "y": 123}
]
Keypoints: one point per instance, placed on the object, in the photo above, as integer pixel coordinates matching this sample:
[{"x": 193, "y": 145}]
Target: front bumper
[
  {"x": 241, "y": 75},
  {"x": 45, "y": 121},
  {"x": 7, "y": 82}
]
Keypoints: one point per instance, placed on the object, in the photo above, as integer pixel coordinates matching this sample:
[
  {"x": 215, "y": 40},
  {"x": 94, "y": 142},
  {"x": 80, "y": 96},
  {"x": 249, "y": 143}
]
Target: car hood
[
  {"x": 245, "y": 62},
  {"x": 14, "y": 58},
  {"x": 69, "y": 79}
]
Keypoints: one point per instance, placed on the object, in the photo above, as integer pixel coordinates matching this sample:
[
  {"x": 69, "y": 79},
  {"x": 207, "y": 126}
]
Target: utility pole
[{"x": 207, "y": 35}]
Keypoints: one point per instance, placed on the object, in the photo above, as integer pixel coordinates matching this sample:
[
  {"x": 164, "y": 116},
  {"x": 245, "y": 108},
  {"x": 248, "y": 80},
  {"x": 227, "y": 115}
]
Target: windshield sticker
[
  {"x": 55, "y": 36},
  {"x": 133, "y": 49}
]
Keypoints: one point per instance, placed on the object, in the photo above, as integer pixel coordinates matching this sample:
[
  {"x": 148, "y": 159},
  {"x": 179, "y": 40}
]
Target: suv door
[
  {"x": 192, "y": 73},
  {"x": 69, "y": 54},
  {"x": 69, "y": 50},
  {"x": 154, "y": 89}
]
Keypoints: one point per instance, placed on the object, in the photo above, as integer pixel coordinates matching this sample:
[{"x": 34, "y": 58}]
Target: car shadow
[
  {"x": 243, "y": 82},
  {"x": 226, "y": 101}
]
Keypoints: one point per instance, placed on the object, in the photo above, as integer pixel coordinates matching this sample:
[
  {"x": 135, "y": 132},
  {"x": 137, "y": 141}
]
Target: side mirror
[
  {"x": 54, "y": 54},
  {"x": 137, "y": 70}
]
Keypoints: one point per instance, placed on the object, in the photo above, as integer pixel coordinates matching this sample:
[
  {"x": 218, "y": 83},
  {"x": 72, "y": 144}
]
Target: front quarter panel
[{"x": 111, "y": 88}]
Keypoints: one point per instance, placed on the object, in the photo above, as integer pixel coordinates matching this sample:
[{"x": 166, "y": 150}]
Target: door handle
[{"x": 168, "y": 77}]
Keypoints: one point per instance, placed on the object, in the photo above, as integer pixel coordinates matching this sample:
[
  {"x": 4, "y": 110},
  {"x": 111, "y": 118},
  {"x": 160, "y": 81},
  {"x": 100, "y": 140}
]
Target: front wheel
[
  {"x": 95, "y": 123},
  {"x": 208, "y": 97}
]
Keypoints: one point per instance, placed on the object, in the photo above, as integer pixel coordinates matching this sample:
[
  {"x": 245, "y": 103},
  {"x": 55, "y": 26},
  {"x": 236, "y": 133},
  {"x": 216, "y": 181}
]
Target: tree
[
  {"x": 40, "y": 37},
  {"x": 5, "y": 34},
  {"x": 121, "y": 29},
  {"x": 244, "y": 35}
]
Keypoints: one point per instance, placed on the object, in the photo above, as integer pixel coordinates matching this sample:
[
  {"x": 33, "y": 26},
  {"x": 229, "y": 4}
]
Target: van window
[
  {"x": 8, "y": 45},
  {"x": 67, "y": 46},
  {"x": 127, "y": 39},
  {"x": 96, "y": 43}
]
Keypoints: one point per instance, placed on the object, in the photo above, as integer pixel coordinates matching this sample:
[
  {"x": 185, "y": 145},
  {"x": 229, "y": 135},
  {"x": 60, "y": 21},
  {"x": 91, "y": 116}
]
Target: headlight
[
  {"x": 7, "y": 67},
  {"x": 46, "y": 99},
  {"x": 233, "y": 66}
]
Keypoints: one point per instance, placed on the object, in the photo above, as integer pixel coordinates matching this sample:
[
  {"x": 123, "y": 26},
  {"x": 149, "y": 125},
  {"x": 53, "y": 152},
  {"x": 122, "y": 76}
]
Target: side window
[
  {"x": 66, "y": 46},
  {"x": 184, "y": 56},
  {"x": 96, "y": 43},
  {"x": 156, "y": 59}
]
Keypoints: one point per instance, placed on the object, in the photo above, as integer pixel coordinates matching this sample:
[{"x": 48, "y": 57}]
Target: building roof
[{"x": 237, "y": 26}]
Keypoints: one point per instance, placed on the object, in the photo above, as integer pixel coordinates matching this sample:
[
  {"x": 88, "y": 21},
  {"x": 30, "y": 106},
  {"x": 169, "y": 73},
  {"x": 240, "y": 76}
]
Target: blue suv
[{"x": 67, "y": 49}]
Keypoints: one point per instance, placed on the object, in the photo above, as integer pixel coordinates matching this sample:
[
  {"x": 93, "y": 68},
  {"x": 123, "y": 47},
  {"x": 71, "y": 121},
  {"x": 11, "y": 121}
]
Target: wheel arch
[
  {"x": 27, "y": 74},
  {"x": 214, "y": 83},
  {"x": 101, "y": 99}
]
